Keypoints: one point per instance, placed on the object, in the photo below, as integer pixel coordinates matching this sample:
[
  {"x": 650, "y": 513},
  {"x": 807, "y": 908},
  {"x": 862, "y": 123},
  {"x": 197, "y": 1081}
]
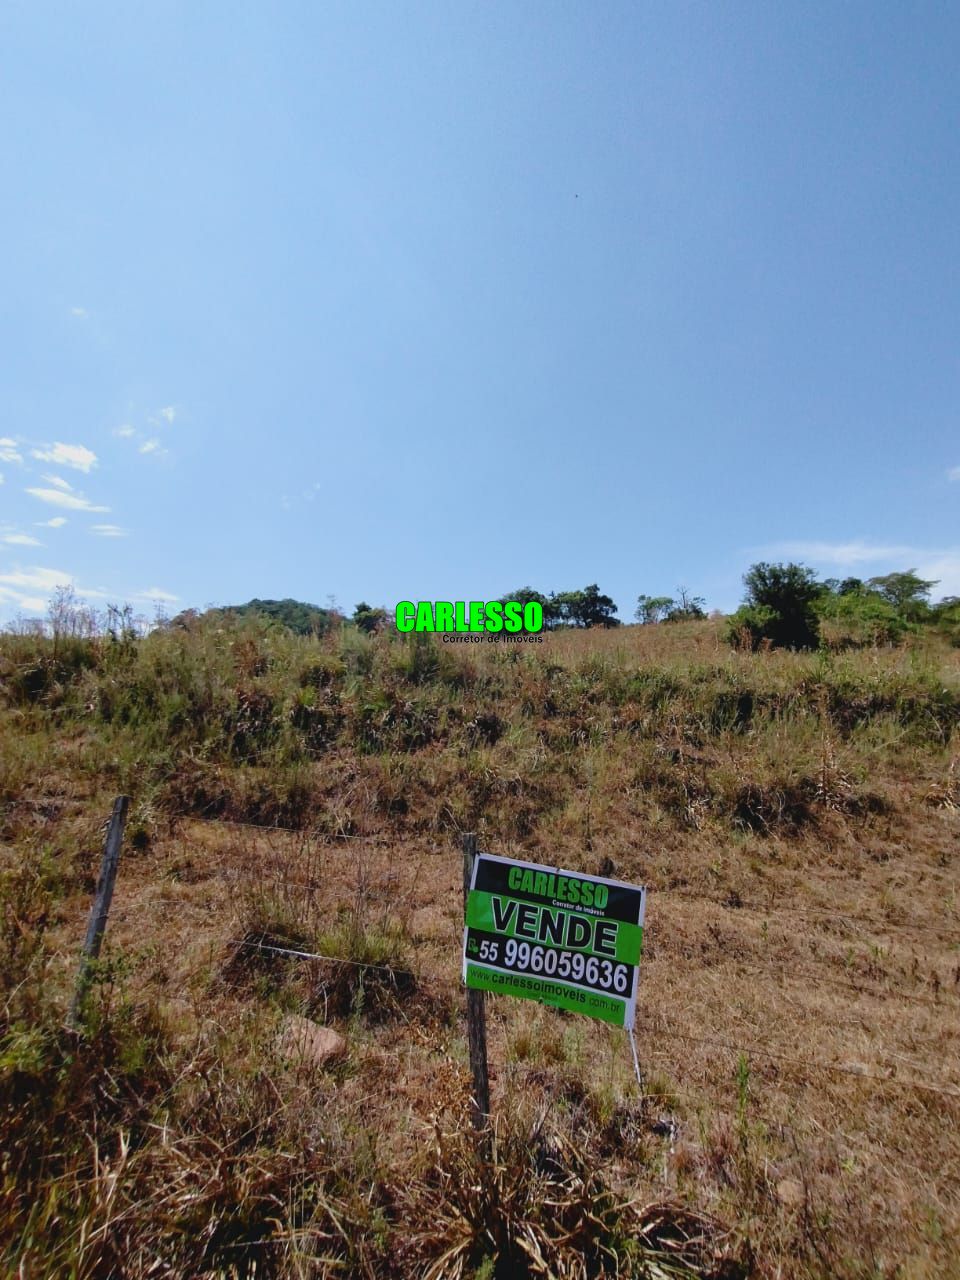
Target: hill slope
[{"x": 795, "y": 817}]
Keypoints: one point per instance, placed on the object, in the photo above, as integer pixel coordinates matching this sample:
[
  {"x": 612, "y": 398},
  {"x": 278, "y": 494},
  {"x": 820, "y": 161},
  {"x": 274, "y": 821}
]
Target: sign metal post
[{"x": 476, "y": 1011}]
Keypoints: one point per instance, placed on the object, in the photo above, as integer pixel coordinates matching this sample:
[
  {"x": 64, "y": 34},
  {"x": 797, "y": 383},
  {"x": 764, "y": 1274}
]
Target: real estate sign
[{"x": 561, "y": 937}]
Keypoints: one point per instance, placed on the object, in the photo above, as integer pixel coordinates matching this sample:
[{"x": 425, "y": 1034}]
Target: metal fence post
[{"x": 101, "y": 906}]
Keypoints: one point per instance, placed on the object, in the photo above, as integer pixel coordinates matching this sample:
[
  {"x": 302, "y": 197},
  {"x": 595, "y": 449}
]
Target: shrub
[
  {"x": 862, "y": 618},
  {"x": 779, "y": 608}
]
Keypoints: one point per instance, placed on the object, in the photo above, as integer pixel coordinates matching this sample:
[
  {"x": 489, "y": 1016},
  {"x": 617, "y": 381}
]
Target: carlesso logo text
[{"x": 474, "y": 616}]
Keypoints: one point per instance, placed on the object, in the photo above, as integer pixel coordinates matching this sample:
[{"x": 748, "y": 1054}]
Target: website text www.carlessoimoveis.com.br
[{"x": 567, "y": 995}]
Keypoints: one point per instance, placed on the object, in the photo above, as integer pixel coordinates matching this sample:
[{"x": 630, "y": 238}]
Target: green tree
[
  {"x": 907, "y": 593},
  {"x": 368, "y": 619},
  {"x": 653, "y": 608},
  {"x": 779, "y": 607},
  {"x": 686, "y": 608},
  {"x": 586, "y": 608},
  {"x": 524, "y": 595}
]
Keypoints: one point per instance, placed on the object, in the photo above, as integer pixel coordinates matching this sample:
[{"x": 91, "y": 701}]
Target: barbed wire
[
  {"x": 942, "y": 933},
  {"x": 945, "y": 1089},
  {"x": 937, "y": 1002},
  {"x": 770, "y": 1053},
  {"x": 943, "y": 1000},
  {"x": 313, "y": 833},
  {"x": 767, "y": 909},
  {"x": 244, "y": 944}
]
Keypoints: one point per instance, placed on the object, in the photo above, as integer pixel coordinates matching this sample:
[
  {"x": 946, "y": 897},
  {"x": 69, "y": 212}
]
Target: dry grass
[{"x": 796, "y": 821}]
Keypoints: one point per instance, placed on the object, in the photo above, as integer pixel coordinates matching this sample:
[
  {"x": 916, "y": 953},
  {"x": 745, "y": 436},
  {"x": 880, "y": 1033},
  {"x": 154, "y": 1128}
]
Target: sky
[{"x": 383, "y": 301}]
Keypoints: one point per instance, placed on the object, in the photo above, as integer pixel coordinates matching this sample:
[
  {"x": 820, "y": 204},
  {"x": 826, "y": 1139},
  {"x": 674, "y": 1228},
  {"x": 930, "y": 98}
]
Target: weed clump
[{"x": 540, "y": 1208}]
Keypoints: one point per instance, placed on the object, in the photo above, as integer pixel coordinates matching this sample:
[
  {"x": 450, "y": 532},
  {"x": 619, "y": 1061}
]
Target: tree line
[{"x": 784, "y": 606}]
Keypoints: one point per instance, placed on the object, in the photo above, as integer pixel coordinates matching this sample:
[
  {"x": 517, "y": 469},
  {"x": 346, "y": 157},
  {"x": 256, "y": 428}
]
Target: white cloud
[
  {"x": 59, "y": 482},
  {"x": 952, "y": 474},
  {"x": 154, "y": 449},
  {"x": 109, "y": 531},
  {"x": 80, "y": 312},
  {"x": 940, "y": 565},
  {"x": 21, "y": 540},
  {"x": 36, "y": 579},
  {"x": 155, "y": 593},
  {"x": 124, "y": 431},
  {"x": 859, "y": 551},
  {"x": 70, "y": 501},
  {"x": 33, "y": 604},
  {"x": 9, "y": 451},
  {"x": 31, "y": 588},
  {"x": 168, "y": 414},
  {"x": 1, "y": 477},
  {"x": 67, "y": 455},
  {"x": 55, "y": 522}
]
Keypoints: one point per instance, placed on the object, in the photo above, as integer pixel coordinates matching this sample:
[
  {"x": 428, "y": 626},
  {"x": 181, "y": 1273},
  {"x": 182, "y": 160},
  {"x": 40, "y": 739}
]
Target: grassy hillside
[{"x": 795, "y": 817}]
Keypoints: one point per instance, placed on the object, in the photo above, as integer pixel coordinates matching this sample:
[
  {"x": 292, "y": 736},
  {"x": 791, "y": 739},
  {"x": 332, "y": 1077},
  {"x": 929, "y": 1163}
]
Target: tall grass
[
  {"x": 241, "y": 720},
  {"x": 170, "y": 1138}
]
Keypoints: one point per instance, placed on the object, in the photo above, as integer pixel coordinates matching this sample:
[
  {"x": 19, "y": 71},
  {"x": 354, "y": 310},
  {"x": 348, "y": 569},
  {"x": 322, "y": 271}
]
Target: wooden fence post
[
  {"x": 476, "y": 1014},
  {"x": 101, "y": 906}
]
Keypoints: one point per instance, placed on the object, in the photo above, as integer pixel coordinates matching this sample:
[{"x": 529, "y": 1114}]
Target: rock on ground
[{"x": 305, "y": 1041}]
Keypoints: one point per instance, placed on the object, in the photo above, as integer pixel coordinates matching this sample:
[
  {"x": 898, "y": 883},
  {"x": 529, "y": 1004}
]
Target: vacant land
[{"x": 794, "y": 816}]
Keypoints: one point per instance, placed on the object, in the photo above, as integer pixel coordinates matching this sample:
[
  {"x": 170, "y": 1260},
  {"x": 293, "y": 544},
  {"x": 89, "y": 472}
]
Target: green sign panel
[{"x": 566, "y": 939}]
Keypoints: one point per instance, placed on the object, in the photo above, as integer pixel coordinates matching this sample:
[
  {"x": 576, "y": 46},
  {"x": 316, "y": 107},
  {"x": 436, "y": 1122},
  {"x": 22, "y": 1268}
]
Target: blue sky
[{"x": 436, "y": 300}]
